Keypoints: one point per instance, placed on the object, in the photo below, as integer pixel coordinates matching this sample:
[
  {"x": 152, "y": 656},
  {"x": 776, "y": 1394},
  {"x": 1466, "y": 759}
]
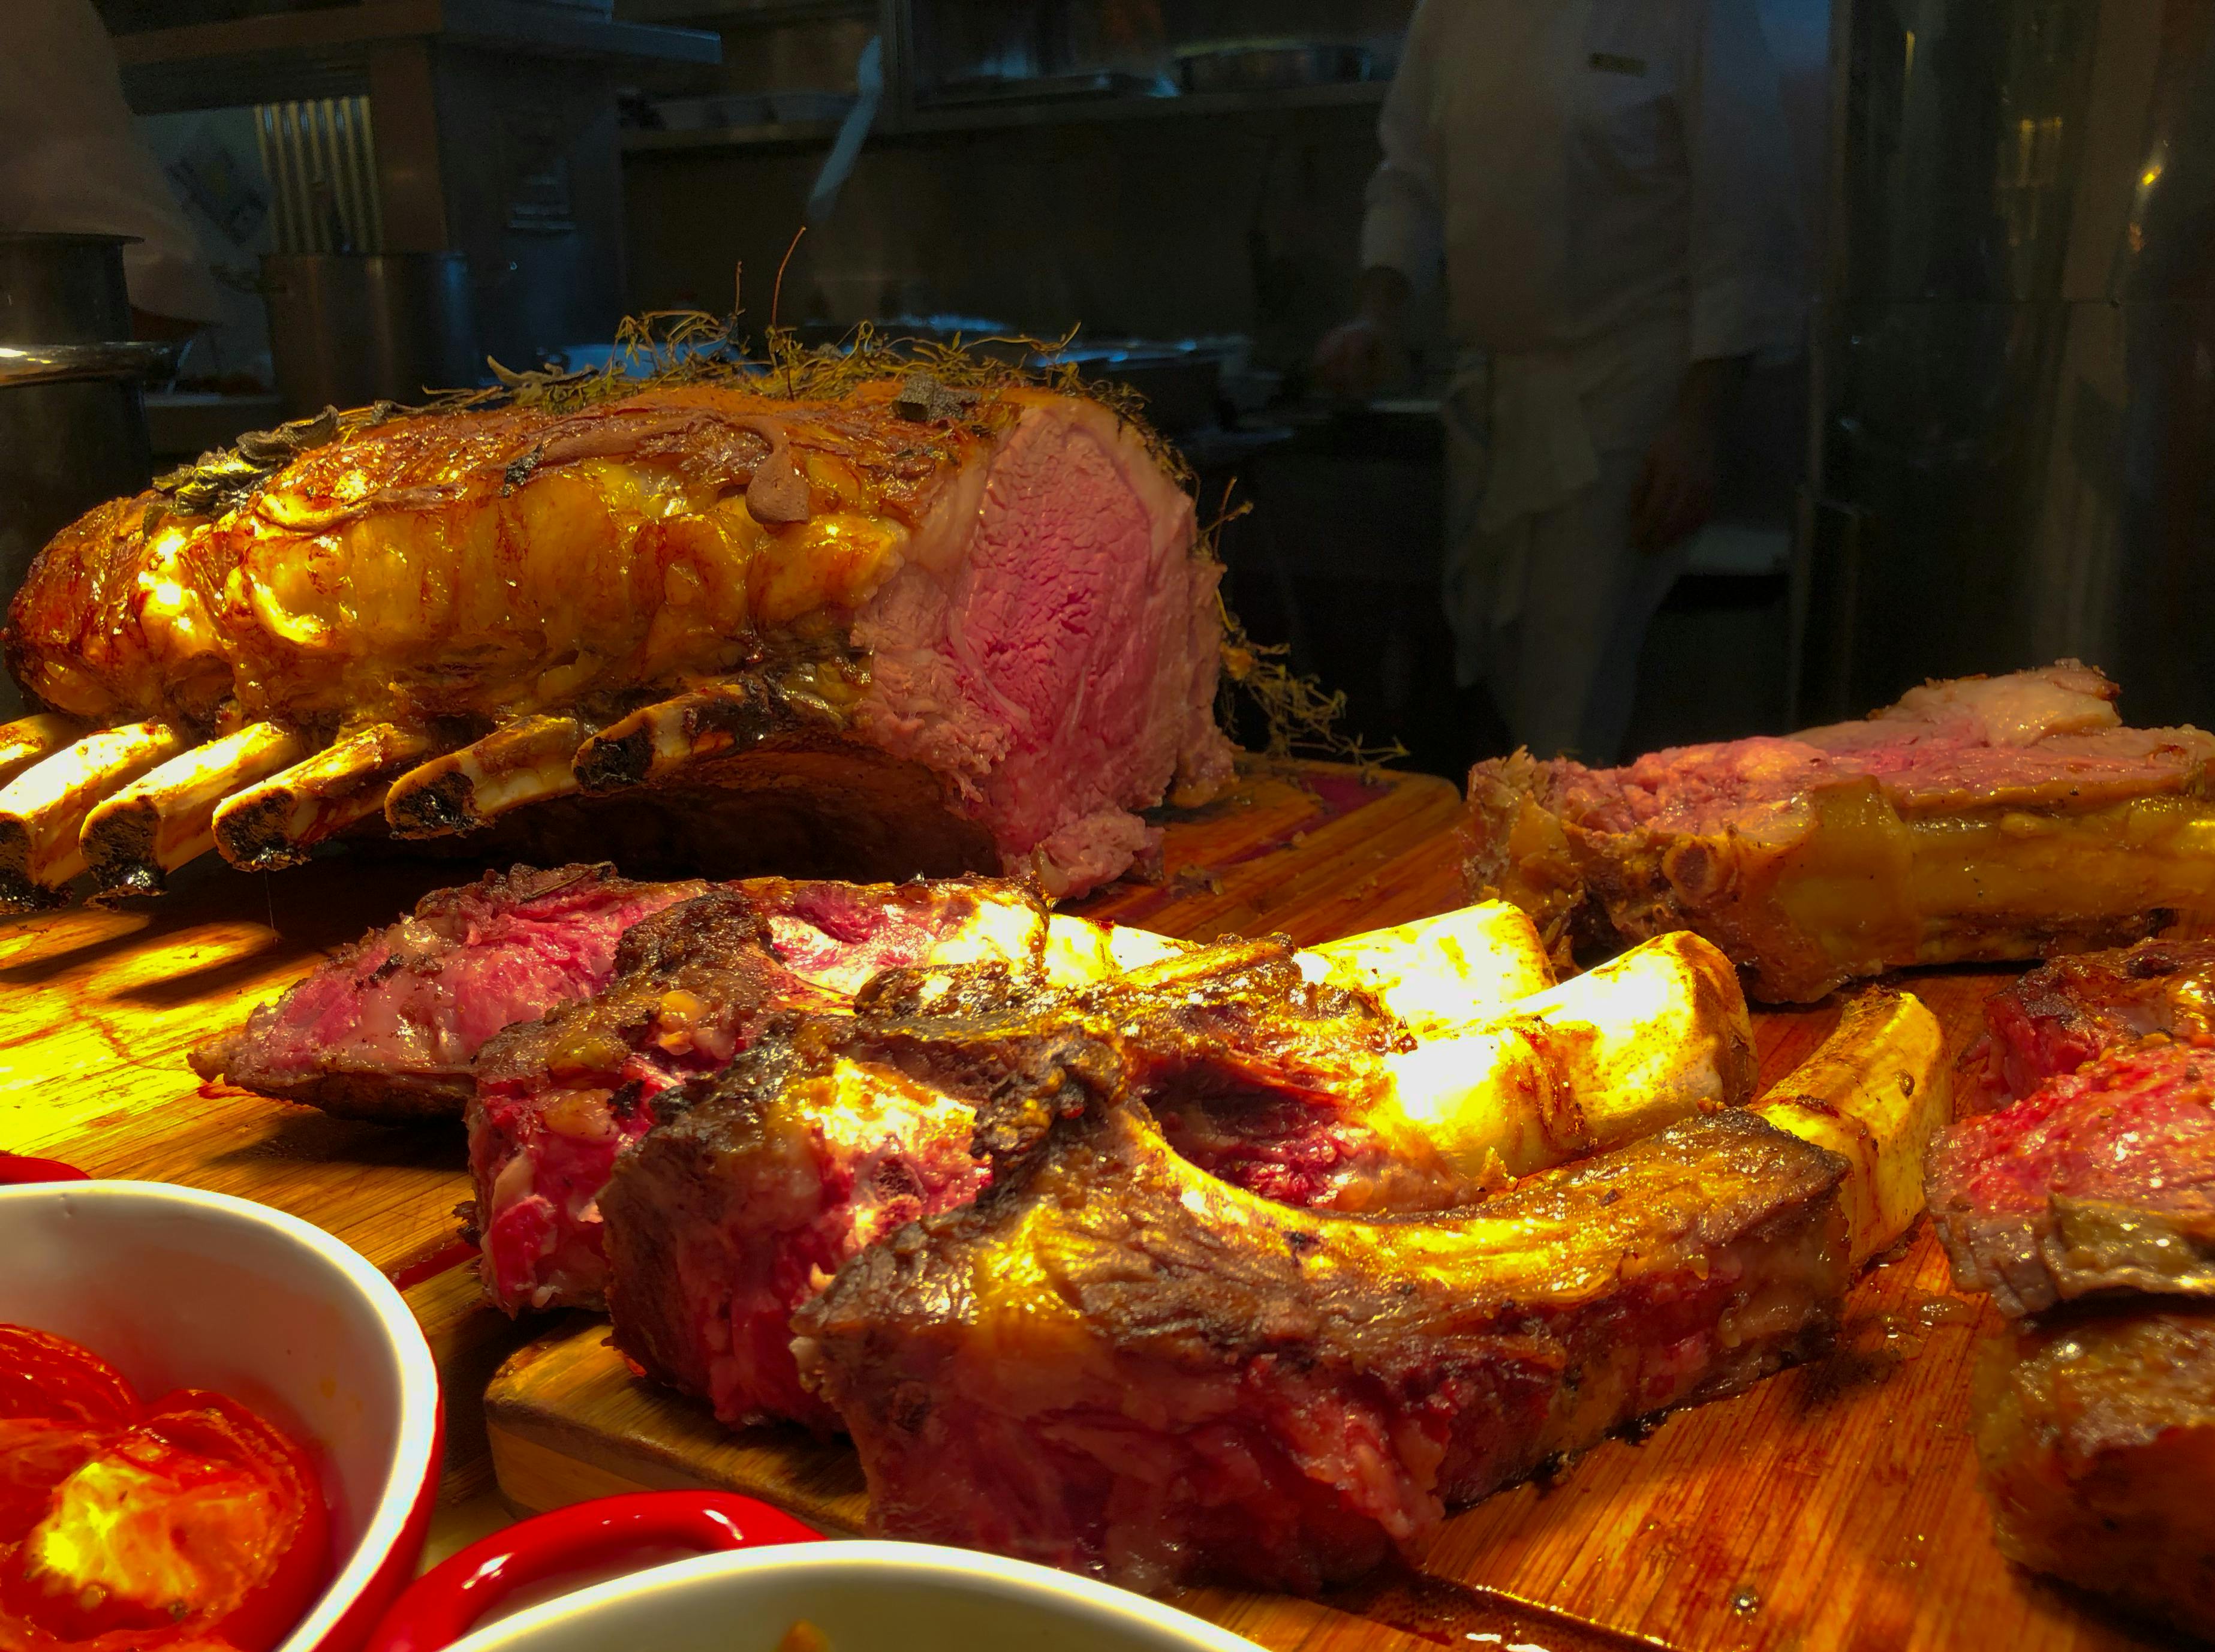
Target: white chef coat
[
  {"x": 1608, "y": 186},
  {"x": 69, "y": 161}
]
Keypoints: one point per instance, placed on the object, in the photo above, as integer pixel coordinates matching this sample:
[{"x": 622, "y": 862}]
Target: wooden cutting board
[
  {"x": 98, "y": 1010},
  {"x": 1834, "y": 1506}
]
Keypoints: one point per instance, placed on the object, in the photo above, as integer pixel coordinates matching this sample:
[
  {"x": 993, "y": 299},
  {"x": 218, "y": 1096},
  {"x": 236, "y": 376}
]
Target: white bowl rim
[
  {"x": 998, "y": 1573},
  {"x": 413, "y": 1458}
]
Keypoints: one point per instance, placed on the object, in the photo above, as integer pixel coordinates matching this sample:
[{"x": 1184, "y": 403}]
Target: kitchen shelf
[
  {"x": 769, "y": 134},
  {"x": 736, "y": 13},
  {"x": 325, "y": 52},
  {"x": 1000, "y": 116}
]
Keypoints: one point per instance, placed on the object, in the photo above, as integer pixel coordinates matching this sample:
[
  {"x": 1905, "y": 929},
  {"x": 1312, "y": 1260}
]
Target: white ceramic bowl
[
  {"x": 865, "y": 1597},
  {"x": 178, "y": 1288}
]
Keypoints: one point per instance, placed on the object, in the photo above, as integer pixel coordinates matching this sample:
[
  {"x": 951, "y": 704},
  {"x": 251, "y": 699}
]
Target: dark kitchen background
[{"x": 1991, "y": 452}]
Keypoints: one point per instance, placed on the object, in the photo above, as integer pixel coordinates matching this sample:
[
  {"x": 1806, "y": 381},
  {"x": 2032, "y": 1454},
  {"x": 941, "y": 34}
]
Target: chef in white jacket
[{"x": 1608, "y": 186}]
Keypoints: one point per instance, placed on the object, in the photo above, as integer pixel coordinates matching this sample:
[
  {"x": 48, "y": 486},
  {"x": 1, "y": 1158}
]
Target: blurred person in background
[
  {"x": 1608, "y": 186},
  {"x": 69, "y": 161}
]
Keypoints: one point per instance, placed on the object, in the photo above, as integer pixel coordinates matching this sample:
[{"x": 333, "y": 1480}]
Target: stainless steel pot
[
  {"x": 347, "y": 329},
  {"x": 72, "y": 422}
]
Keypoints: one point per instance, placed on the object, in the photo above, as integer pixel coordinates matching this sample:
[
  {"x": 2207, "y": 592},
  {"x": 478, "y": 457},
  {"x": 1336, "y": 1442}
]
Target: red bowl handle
[
  {"x": 21, "y": 1167},
  {"x": 440, "y": 1606}
]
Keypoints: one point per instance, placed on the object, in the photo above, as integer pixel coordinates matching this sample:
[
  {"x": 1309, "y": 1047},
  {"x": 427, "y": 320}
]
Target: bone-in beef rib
[
  {"x": 1116, "y": 1363},
  {"x": 1984, "y": 819}
]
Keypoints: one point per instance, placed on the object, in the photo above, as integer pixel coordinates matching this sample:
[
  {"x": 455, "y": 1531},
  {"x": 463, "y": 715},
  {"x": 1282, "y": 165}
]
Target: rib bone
[
  {"x": 656, "y": 739},
  {"x": 1874, "y": 1093},
  {"x": 157, "y": 823},
  {"x": 1443, "y": 972},
  {"x": 277, "y": 822},
  {"x": 29, "y": 740},
  {"x": 42, "y": 810},
  {"x": 527, "y": 761},
  {"x": 1658, "y": 1035}
]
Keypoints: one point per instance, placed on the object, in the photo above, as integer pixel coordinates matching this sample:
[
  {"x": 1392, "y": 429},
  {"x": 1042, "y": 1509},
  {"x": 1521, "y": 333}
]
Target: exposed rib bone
[
  {"x": 1655, "y": 1035},
  {"x": 30, "y": 739},
  {"x": 656, "y": 739},
  {"x": 1444, "y": 972},
  {"x": 42, "y": 810},
  {"x": 277, "y": 822},
  {"x": 157, "y": 823},
  {"x": 527, "y": 761}
]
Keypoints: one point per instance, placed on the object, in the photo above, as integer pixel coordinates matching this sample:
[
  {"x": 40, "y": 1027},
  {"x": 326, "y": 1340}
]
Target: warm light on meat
[
  {"x": 2008, "y": 817},
  {"x": 912, "y": 639}
]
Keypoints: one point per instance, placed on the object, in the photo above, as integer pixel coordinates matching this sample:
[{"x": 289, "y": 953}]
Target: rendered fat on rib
[
  {"x": 830, "y": 1133},
  {"x": 841, "y": 630},
  {"x": 1115, "y": 1363},
  {"x": 1984, "y": 819}
]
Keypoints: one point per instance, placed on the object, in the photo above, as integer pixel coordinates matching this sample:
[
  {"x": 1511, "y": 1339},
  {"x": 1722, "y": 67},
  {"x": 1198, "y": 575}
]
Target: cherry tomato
[
  {"x": 196, "y": 1525},
  {"x": 42, "y": 1375}
]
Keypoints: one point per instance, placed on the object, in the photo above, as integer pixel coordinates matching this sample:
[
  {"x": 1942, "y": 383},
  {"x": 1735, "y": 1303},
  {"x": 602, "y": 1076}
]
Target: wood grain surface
[
  {"x": 98, "y": 1010},
  {"x": 1833, "y": 1506}
]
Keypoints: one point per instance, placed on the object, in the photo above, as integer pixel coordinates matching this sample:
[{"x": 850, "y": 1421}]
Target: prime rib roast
[
  {"x": 776, "y": 624},
  {"x": 1353, "y": 1234},
  {"x": 1984, "y": 819}
]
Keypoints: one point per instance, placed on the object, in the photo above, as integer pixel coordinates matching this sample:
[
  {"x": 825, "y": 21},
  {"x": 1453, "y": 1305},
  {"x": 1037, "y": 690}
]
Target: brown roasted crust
[
  {"x": 379, "y": 1096},
  {"x": 112, "y": 623},
  {"x": 1104, "y": 1290},
  {"x": 2095, "y": 1432}
]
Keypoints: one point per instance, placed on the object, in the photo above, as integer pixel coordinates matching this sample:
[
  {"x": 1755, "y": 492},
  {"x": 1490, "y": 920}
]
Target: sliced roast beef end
[
  {"x": 1061, "y": 670},
  {"x": 1979, "y": 820},
  {"x": 2103, "y": 1180},
  {"x": 2095, "y": 1432},
  {"x": 388, "y": 1028}
]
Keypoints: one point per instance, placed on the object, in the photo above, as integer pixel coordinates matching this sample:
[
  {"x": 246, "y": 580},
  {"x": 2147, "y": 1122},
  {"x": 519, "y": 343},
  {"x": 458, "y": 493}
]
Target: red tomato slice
[
  {"x": 35, "y": 1456},
  {"x": 203, "y": 1522},
  {"x": 42, "y": 1375}
]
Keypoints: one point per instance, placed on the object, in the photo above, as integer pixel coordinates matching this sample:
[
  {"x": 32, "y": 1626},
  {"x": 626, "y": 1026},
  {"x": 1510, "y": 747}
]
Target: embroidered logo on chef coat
[{"x": 1613, "y": 62}]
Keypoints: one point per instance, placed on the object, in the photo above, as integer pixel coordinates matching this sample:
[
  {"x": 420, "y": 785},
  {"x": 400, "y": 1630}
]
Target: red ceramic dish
[
  {"x": 178, "y": 1288},
  {"x": 446, "y": 1601}
]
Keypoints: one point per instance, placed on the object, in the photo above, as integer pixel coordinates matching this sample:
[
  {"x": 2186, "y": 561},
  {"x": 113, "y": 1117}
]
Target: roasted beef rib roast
[{"x": 879, "y": 633}]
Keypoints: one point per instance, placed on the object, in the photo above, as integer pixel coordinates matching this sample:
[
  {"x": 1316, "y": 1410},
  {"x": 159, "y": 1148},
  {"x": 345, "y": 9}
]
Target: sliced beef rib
[
  {"x": 1985, "y": 818},
  {"x": 388, "y": 1028}
]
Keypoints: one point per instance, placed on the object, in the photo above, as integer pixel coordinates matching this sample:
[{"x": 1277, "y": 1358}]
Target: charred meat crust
[
  {"x": 1072, "y": 1369},
  {"x": 2095, "y": 1433}
]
